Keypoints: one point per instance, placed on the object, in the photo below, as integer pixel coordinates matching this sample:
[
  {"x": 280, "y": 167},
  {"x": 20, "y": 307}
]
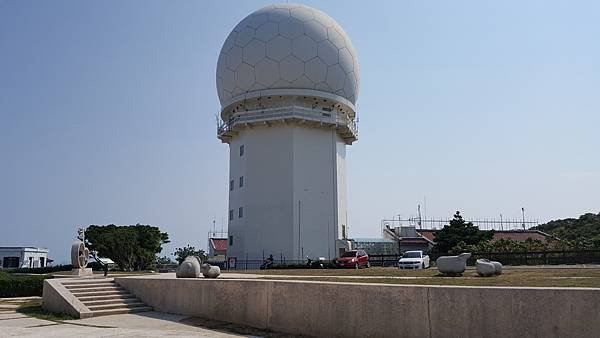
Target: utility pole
[
  {"x": 329, "y": 239},
  {"x": 425, "y": 211},
  {"x": 299, "y": 223},
  {"x": 523, "y": 210},
  {"x": 501, "y": 228},
  {"x": 419, "y": 211}
]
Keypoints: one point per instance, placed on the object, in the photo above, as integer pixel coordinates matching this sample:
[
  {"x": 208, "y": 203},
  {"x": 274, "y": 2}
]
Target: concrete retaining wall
[
  {"x": 58, "y": 299},
  {"x": 324, "y": 309}
]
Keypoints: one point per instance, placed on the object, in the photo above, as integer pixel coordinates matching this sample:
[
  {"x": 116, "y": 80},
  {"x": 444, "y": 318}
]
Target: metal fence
[
  {"x": 481, "y": 223},
  {"x": 510, "y": 258},
  {"x": 254, "y": 264},
  {"x": 251, "y": 264}
]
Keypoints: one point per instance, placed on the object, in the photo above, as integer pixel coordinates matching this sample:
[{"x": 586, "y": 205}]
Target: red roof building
[
  {"x": 217, "y": 249},
  {"x": 520, "y": 235}
]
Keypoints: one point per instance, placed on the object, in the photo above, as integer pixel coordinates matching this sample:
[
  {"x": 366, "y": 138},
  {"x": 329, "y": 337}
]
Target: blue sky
[{"x": 107, "y": 113}]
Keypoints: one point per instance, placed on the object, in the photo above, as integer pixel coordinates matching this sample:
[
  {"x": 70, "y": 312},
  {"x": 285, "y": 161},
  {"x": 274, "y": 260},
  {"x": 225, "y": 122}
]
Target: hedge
[
  {"x": 47, "y": 269},
  {"x": 21, "y": 286}
]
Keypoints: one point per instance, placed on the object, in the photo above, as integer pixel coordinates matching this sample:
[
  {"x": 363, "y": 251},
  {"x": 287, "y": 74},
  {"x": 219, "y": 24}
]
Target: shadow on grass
[{"x": 33, "y": 308}]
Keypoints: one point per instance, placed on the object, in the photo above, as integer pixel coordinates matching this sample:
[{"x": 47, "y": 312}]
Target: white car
[{"x": 414, "y": 260}]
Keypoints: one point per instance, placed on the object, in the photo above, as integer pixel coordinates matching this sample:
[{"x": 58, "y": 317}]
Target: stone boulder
[
  {"x": 210, "y": 271},
  {"x": 453, "y": 265},
  {"x": 189, "y": 268},
  {"x": 486, "y": 268}
]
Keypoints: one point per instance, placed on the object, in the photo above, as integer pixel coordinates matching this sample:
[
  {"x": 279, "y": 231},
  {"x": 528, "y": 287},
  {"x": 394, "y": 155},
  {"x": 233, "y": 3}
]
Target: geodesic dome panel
[{"x": 287, "y": 46}]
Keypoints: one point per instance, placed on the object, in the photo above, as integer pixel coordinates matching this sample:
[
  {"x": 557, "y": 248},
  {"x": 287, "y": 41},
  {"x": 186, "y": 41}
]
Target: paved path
[
  {"x": 148, "y": 324},
  {"x": 151, "y": 324}
]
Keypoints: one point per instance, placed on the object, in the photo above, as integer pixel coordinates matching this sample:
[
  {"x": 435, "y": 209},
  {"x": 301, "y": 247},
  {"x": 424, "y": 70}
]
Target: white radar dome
[{"x": 287, "y": 46}]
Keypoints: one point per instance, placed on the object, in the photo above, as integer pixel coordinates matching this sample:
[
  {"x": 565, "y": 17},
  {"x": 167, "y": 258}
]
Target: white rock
[
  {"x": 210, "y": 271},
  {"x": 485, "y": 268},
  {"x": 453, "y": 265},
  {"x": 189, "y": 268}
]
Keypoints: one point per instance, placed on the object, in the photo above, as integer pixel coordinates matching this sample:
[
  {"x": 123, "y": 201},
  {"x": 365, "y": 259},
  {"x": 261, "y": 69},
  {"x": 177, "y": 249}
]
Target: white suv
[{"x": 414, "y": 260}]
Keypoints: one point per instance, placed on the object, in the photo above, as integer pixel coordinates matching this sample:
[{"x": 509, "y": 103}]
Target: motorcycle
[
  {"x": 315, "y": 264},
  {"x": 267, "y": 264}
]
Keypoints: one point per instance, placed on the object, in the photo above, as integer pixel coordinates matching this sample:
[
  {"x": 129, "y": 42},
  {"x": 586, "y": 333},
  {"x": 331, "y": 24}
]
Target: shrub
[{"x": 21, "y": 286}]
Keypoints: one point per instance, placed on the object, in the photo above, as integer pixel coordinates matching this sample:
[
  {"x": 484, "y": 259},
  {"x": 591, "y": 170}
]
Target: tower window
[
  {"x": 241, "y": 181},
  {"x": 230, "y": 240},
  {"x": 231, "y": 185},
  {"x": 241, "y": 212},
  {"x": 242, "y": 150},
  {"x": 231, "y": 215}
]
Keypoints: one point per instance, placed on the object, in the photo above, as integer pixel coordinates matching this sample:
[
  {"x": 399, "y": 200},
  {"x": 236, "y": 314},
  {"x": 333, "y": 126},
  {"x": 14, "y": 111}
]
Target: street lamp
[{"x": 523, "y": 210}]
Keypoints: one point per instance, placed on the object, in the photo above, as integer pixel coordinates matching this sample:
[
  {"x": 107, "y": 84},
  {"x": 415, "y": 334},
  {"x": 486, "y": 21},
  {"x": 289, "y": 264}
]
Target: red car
[{"x": 353, "y": 259}]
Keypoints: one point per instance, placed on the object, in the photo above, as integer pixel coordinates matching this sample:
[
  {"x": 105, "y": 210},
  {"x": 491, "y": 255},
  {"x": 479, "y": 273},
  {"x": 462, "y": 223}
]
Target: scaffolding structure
[{"x": 482, "y": 223}]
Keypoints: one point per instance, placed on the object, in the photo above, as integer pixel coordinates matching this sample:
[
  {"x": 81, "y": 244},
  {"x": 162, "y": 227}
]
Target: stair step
[
  {"x": 100, "y": 293},
  {"x": 104, "y": 288},
  {"x": 106, "y": 297},
  {"x": 111, "y": 301},
  {"x": 89, "y": 285},
  {"x": 116, "y": 306},
  {"x": 86, "y": 282},
  {"x": 120, "y": 311}
]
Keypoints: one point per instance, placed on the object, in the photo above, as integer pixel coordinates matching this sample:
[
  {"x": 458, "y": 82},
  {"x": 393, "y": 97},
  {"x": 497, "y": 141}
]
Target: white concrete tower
[{"x": 287, "y": 79}]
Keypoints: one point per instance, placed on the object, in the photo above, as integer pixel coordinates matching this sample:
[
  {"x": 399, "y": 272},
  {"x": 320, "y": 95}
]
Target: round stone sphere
[{"x": 287, "y": 46}]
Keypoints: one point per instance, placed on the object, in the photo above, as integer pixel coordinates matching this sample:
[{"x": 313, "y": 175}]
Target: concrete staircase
[{"x": 104, "y": 297}]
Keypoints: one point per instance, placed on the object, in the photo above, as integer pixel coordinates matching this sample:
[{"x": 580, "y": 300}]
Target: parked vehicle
[
  {"x": 414, "y": 260},
  {"x": 353, "y": 259},
  {"x": 315, "y": 263}
]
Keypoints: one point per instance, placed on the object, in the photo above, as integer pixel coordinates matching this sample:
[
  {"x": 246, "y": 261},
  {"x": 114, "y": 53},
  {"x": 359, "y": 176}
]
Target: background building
[
  {"x": 287, "y": 79},
  {"x": 23, "y": 257},
  {"x": 408, "y": 238},
  {"x": 376, "y": 246},
  {"x": 217, "y": 249}
]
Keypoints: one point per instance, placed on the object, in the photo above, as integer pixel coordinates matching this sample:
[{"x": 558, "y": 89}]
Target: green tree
[
  {"x": 577, "y": 233},
  {"x": 181, "y": 253},
  {"x": 164, "y": 260},
  {"x": 132, "y": 247},
  {"x": 459, "y": 231}
]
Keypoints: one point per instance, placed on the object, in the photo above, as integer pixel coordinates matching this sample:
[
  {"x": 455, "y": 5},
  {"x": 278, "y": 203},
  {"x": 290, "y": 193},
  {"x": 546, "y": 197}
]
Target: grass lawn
[
  {"x": 32, "y": 307},
  {"x": 547, "y": 277}
]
